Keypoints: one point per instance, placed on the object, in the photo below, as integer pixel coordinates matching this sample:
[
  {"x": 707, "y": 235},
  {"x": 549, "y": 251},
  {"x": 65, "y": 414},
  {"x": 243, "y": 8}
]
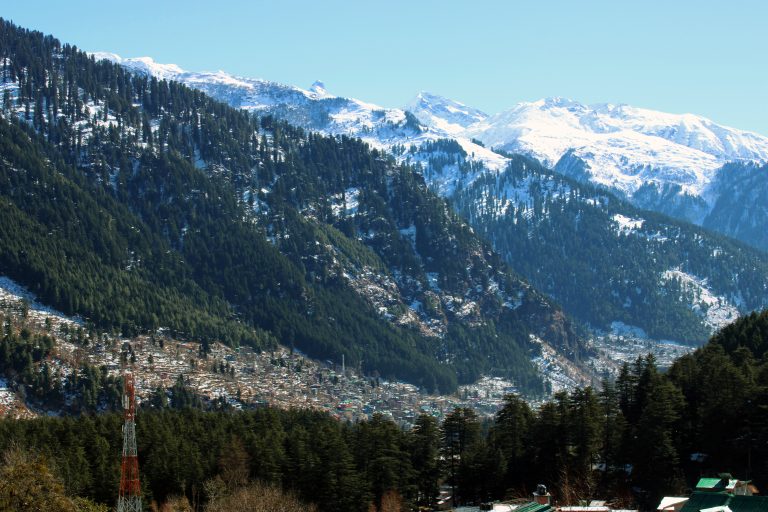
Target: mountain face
[
  {"x": 141, "y": 204},
  {"x": 668, "y": 163},
  {"x": 395, "y": 130},
  {"x": 609, "y": 263},
  {"x": 443, "y": 114},
  {"x": 741, "y": 209},
  {"x": 662, "y": 162}
]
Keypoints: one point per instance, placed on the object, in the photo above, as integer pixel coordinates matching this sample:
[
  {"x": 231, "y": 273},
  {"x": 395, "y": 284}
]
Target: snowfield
[{"x": 627, "y": 225}]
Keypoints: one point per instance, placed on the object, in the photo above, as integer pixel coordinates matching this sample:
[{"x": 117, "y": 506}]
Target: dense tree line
[
  {"x": 642, "y": 436},
  {"x": 334, "y": 465},
  {"x": 140, "y": 203},
  {"x": 631, "y": 441}
]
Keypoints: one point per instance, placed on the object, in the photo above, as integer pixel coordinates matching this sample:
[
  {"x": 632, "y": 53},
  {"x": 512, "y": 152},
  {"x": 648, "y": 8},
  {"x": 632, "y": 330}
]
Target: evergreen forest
[{"x": 631, "y": 440}]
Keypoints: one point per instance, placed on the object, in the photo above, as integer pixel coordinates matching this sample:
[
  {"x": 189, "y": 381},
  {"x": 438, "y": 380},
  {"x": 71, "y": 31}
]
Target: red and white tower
[{"x": 130, "y": 488}]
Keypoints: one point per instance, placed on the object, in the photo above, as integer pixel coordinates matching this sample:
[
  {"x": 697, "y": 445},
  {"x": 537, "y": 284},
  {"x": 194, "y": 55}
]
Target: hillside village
[
  {"x": 242, "y": 378},
  {"x": 237, "y": 378}
]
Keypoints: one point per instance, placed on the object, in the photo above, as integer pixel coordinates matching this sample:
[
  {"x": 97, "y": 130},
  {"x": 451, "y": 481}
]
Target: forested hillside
[
  {"x": 741, "y": 210},
  {"x": 606, "y": 261},
  {"x": 142, "y": 204}
]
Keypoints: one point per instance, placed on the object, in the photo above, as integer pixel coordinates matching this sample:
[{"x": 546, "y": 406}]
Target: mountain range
[
  {"x": 149, "y": 199},
  {"x": 614, "y": 160},
  {"x": 682, "y": 165}
]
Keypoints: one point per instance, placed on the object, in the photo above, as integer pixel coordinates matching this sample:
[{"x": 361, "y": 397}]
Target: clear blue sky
[{"x": 699, "y": 56}]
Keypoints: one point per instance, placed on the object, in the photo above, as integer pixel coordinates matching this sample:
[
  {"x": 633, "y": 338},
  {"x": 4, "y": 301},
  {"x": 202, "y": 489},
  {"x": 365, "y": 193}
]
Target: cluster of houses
[
  {"x": 541, "y": 502},
  {"x": 721, "y": 494}
]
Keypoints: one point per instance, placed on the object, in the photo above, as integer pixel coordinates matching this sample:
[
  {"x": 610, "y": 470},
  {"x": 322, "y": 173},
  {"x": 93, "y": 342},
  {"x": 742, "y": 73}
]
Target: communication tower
[{"x": 129, "y": 499}]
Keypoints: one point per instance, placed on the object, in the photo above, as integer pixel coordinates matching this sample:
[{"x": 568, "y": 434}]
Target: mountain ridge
[
  {"x": 671, "y": 163},
  {"x": 451, "y": 166}
]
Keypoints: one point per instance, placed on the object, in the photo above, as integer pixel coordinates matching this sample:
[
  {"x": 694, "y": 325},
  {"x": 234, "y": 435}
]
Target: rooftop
[{"x": 712, "y": 502}]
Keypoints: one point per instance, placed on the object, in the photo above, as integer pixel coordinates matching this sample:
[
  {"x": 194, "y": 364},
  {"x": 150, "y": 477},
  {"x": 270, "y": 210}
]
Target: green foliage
[
  {"x": 632, "y": 441},
  {"x": 27, "y": 483},
  {"x": 751, "y": 333},
  {"x": 424, "y": 451}
]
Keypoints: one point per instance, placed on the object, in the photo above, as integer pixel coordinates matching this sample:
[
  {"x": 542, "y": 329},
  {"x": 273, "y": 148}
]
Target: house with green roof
[
  {"x": 725, "y": 483},
  {"x": 724, "y": 502}
]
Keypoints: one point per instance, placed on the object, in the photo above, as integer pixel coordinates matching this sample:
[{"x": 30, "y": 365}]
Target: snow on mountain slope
[
  {"x": 317, "y": 109},
  {"x": 672, "y": 163},
  {"x": 145, "y": 65},
  {"x": 622, "y": 147},
  {"x": 716, "y": 311},
  {"x": 443, "y": 114},
  {"x": 683, "y": 165}
]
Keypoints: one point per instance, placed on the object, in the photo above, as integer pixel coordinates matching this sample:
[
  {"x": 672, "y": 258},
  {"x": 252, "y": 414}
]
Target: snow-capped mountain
[
  {"x": 683, "y": 165},
  {"x": 313, "y": 108},
  {"x": 672, "y": 163},
  {"x": 623, "y": 147},
  {"x": 676, "y": 164},
  {"x": 391, "y": 129}
]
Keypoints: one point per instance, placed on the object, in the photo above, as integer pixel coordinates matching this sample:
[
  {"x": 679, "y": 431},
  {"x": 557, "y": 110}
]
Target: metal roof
[
  {"x": 701, "y": 500},
  {"x": 533, "y": 507},
  {"x": 708, "y": 500},
  {"x": 748, "y": 503},
  {"x": 717, "y": 484},
  {"x": 671, "y": 501}
]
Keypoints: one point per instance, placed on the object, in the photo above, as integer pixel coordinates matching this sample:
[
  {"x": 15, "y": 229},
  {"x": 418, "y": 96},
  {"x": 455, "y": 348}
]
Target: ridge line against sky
[{"x": 700, "y": 57}]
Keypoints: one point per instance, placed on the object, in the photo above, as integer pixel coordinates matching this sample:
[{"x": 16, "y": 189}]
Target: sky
[{"x": 698, "y": 56}]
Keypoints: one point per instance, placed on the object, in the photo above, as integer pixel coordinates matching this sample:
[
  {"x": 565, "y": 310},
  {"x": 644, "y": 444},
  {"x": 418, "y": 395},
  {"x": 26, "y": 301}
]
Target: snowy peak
[
  {"x": 318, "y": 88},
  {"x": 444, "y": 114},
  {"x": 665, "y": 162},
  {"x": 318, "y": 110},
  {"x": 576, "y": 122},
  {"x": 623, "y": 147}
]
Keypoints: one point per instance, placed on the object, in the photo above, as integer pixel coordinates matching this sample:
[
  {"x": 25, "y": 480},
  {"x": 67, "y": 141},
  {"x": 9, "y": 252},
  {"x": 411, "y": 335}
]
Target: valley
[{"x": 223, "y": 293}]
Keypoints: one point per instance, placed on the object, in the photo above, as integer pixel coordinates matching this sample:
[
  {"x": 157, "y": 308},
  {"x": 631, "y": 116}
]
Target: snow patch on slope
[
  {"x": 16, "y": 296},
  {"x": 347, "y": 203},
  {"x": 717, "y": 311},
  {"x": 626, "y": 224},
  {"x": 558, "y": 372}
]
